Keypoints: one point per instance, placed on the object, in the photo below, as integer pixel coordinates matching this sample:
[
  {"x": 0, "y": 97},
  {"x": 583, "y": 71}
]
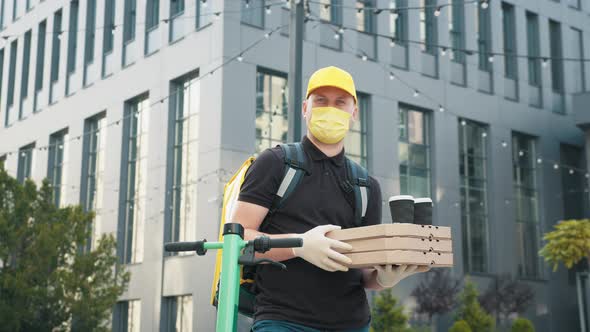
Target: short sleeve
[
  {"x": 263, "y": 178},
  {"x": 373, "y": 216}
]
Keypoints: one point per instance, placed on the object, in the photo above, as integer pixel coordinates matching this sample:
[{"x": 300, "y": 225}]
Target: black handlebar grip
[
  {"x": 286, "y": 243},
  {"x": 181, "y": 246}
]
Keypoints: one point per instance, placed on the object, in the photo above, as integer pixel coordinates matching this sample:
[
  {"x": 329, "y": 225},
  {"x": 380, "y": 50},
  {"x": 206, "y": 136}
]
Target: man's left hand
[{"x": 389, "y": 275}]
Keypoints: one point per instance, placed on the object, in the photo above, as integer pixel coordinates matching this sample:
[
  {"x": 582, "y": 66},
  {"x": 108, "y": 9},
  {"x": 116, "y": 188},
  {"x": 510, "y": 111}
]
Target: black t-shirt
[{"x": 306, "y": 294}]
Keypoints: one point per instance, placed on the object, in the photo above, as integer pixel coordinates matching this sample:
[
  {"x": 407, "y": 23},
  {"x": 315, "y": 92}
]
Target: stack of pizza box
[{"x": 397, "y": 243}]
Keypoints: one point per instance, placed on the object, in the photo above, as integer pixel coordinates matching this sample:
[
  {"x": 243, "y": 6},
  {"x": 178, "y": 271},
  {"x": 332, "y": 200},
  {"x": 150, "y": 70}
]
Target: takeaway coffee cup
[
  {"x": 423, "y": 211},
  {"x": 402, "y": 209}
]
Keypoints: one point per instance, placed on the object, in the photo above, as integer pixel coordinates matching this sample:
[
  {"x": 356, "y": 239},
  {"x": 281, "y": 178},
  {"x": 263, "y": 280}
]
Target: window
[
  {"x": 130, "y": 21},
  {"x": 56, "y": 45},
  {"x": 574, "y": 4},
  {"x": 534, "y": 62},
  {"x": 428, "y": 26},
  {"x": 414, "y": 151},
  {"x": 72, "y": 34},
  {"x": 366, "y": 20},
  {"x": 456, "y": 12},
  {"x": 573, "y": 181},
  {"x": 90, "y": 32},
  {"x": 330, "y": 11},
  {"x": 271, "y": 109},
  {"x": 93, "y": 168},
  {"x": 133, "y": 181},
  {"x": 55, "y": 164},
  {"x": 24, "y": 86},
  {"x": 509, "y": 23},
  {"x": 556, "y": 55},
  {"x": 526, "y": 204},
  {"x": 398, "y": 21},
  {"x": 176, "y": 7},
  {"x": 108, "y": 27},
  {"x": 474, "y": 204},
  {"x": 72, "y": 43},
  {"x": 55, "y": 51},
  {"x": 183, "y": 158},
  {"x": 177, "y": 313},
  {"x": 355, "y": 142},
  {"x": 11, "y": 78},
  {"x": 6, "y": 119},
  {"x": 126, "y": 316},
  {"x": 484, "y": 37},
  {"x": 25, "y": 162},
  {"x": 14, "y": 9},
  {"x": 578, "y": 67},
  {"x": 3, "y": 161},
  {"x": 253, "y": 12},
  {"x": 176, "y": 10},
  {"x": 2, "y": 13},
  {"x": 40, "y": 65},
  {"x": 152, "y": 37},
  {"x": 152, "y": 14},
  {"x": 204, "y": 14}
]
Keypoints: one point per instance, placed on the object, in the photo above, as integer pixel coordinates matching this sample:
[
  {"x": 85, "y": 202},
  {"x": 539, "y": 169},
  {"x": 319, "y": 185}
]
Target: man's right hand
[{"x": 319, "y": 250}]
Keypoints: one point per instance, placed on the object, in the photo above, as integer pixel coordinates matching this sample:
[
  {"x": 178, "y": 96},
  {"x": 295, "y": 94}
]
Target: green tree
[
  {"x": 470, "y": 311},
  {"x": 387, "y": 314},
  {"x": 460, "y": 326},
  {"x": 569, "y": 243},
  {"x": 46, "y": 282},
  {"x": 522, "y": 325}
]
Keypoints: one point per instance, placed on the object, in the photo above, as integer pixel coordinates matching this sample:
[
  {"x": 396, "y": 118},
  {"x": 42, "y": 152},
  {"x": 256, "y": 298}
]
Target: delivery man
[{"x": 317, "y": 292}]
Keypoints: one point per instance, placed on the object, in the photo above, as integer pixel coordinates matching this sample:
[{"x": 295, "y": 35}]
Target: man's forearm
[
  {"x": 370, "y": 279},
  {"x": 276, "y": 254}
]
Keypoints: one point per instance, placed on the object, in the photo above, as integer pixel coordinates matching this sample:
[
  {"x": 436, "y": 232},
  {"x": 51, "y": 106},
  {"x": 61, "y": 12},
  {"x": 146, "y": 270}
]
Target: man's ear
[
  {"x": 355, "y": 113},
  {"x": 304, "y": 108}
]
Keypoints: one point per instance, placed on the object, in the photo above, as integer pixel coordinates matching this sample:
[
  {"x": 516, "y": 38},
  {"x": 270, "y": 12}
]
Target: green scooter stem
[{"x": 227, "y": 310}]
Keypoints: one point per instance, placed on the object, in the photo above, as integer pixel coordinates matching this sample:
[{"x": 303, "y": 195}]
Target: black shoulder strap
[
  {"x": 359, "y": 178},
  {"x": 295, "y": 166}
]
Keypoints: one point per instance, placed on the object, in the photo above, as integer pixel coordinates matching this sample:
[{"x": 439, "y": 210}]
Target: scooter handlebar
[
  {"x": 286, "y": 243},
  {"x": 181, "y": 246}
]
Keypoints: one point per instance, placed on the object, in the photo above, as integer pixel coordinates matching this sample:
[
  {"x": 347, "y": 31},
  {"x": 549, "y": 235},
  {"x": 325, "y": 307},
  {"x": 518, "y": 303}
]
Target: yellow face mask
[{"x": 329, "y": 124}]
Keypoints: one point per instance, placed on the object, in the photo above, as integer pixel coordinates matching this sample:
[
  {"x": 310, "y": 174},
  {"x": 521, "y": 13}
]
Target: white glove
[
  {"x": 389, "y": 275},
  {"x": 319, "y": 250}
]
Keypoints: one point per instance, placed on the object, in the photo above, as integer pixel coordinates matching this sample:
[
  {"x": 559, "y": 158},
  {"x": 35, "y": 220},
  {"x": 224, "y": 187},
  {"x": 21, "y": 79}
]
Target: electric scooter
[{"x": 236, "y": 252}]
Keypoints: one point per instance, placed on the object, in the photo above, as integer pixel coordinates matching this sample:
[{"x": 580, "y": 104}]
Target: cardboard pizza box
[
  {"x": 400, "y": 257},
  {"x": 400, "y": 243},
  {"x": 389, "y": 230}
]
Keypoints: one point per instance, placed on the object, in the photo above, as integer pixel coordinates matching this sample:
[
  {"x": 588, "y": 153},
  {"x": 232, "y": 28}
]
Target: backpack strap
[
  {"x": 295, "y": 169},
  {"x": 359, "y": 178}
]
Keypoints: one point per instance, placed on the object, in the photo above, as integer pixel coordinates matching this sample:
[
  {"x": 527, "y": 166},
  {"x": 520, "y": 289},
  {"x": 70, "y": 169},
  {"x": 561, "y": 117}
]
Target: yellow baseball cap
[{"x": 331, "y": 76}]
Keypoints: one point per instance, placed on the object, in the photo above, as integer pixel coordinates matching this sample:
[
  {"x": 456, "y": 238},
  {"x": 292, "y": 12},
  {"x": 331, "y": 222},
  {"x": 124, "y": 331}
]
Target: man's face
[{"x": 328, "y": 96}]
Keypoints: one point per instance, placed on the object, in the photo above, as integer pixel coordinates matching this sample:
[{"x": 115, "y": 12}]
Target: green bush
[
  {"x": 387, "y": 314},
  {"x": 471, "y": 312},
  {"x": 522, "y": 325},
  {"x": 460, "y": 326}
]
